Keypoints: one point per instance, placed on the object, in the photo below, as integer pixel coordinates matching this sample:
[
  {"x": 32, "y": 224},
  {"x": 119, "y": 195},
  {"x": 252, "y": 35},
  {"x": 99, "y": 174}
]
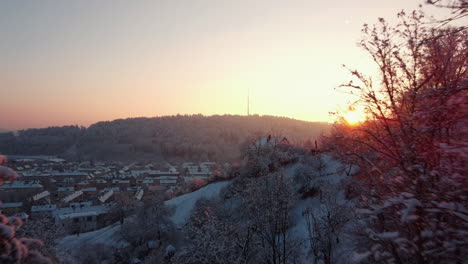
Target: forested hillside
[{"x": 185, "y": 137}]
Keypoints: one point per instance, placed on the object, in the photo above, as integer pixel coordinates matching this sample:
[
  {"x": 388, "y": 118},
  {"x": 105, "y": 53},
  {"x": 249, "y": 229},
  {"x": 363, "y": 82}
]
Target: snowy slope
[
  {"x": 333, "y": 175},
  {"x": 184, "y": 204},
  {"x": 109, "y": 236}
]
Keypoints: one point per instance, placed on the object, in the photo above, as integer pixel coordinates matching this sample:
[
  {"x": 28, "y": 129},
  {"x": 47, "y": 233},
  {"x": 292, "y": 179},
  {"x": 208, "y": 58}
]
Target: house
[
  {"x": 72, "y": 196},
  {"x": 42, "y": 196},
  {"x": 81, "y": 217},
  {"x": 11, "y": 208},
  {"x": 272, "y": 141},
  {"x": 121, "y": 183},
  {"x": 19, "y": 190},
  {"x": 75, "y": 223},
  {"x": 100, "y": 183},
  {"x": 139, "y": 194},
  {"x": 60, "y": 178},
  {"x": 21, "y": 185},
  {"x": 105, "y": 197},
  {"x": 66, "y": 178},
  {"x": 64, "y": 191},
  {"x": 21, "y": 215},
  {"x": 90, "y": 191},
  {"x": 42, "y": 210},
  {"x": 166, "y": 180}
]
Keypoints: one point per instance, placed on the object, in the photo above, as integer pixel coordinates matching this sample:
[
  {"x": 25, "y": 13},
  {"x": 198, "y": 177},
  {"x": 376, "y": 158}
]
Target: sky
[{"x": 79, "y": 62}]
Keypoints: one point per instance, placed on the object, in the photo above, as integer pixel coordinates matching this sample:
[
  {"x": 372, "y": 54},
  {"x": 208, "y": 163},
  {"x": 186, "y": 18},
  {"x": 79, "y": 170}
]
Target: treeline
[{"x": 194, "y": 137}]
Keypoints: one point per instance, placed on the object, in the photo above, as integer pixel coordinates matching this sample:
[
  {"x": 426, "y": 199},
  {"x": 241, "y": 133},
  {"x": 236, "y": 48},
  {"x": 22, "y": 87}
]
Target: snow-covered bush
[
  {"x": 14, "y": 250},
  {"x": 151, "y": 222}
]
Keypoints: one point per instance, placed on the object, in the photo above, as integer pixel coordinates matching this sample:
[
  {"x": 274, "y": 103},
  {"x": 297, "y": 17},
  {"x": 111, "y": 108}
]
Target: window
[
  {"x": 75, "y": 220},
  {"x": 89, "y": 219}
]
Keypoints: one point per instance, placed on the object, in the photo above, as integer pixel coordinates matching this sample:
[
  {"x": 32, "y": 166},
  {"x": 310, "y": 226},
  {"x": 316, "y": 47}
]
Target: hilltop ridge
[{"x": 195, "y": 137}]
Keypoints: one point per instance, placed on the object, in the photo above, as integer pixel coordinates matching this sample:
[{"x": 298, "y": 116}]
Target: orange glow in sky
[
  {"x": 79, "y": 62},
  {"x": 353, "y": 117}
]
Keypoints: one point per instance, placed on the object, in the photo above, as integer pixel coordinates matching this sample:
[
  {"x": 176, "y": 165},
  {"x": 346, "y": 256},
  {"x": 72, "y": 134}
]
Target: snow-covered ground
[
  {"x": 329, "y": 183},
  {"x": 111, "y": 236},
  {"x": 184, "y": 204}
]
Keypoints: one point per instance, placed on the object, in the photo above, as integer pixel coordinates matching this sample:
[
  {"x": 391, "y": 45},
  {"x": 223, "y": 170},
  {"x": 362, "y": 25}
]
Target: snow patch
[{"x": 184, "y": 204}]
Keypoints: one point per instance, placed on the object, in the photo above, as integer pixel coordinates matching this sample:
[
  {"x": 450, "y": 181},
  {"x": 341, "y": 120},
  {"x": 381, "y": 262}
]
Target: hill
[{"x": 193, "y": 137}]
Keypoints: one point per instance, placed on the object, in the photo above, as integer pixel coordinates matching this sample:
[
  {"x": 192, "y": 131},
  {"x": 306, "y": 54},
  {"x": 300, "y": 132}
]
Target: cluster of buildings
[{"x": 79, "y": 196}]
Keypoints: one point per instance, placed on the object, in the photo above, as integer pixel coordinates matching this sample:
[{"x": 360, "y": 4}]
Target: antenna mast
[{"x": 248, "y": 101}]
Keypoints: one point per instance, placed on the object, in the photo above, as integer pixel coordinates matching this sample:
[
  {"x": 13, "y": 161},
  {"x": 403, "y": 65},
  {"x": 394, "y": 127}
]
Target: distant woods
[{"x": 193, "y": 137}]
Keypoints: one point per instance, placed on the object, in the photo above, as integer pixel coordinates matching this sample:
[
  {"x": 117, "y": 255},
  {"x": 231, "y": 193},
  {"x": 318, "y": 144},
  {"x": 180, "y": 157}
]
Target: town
[{"x": 79, "y": 196}]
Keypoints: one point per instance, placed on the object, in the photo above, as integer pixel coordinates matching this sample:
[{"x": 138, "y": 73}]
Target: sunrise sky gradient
[{"x": 79, "y": 62}]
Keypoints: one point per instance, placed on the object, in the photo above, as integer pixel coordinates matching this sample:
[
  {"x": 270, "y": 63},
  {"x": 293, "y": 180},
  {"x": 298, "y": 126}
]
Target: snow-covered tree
[
  {"x": 212, "y": 236},
  {"x": 268, "y": 202},
  {"x": 122, "y": 206},
  {"x": 326, "y": 225},
  {"x": 411, "y": 151},
  {"x": 40, "y": 228},
  {"x": 14, "y": 250},
  {"x": 150, "y": 223}
]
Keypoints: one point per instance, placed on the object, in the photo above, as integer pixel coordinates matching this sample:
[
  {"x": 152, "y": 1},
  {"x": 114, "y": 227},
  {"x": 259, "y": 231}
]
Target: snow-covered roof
[
  {"x": 89, "y": 189},
  {"x": 147, "y": 181},
  {"x": 271, "y": 141},
  {"x": 106, "y": 196},
  {"x": 116, "y": 189},
  {"x": 134, "y": 188},
  {"x": 167, "y": 181},
  {"x": 139, "y": 194},
  {"x": 21, "y": 215},
  {"x": 120, "y": 181},
  {"x": 55, "y": 160},
  {"x": 68, "y": 174},
  {"x": 20, "y": 185},
  {"x": 66, "y": 189},
  {"x": 11, "y": 205},
  {"x": 75, "y": 215},
  {"x": 166, "y": 178},
  {"x": 81, "y": 204},
  {"x": 72, "y": 196},
  {"x": 98, "y": 209},
  {"x": 41, "y": 195},
  {"x": 207, "y": 163},
  {"x": 199, "y": 172},
  {"x": 162, "y": 173},
  {"x": 43, "y": 208}
]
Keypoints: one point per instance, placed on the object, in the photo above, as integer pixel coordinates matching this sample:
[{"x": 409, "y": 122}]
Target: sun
[{"x": 353, "y": 117}]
